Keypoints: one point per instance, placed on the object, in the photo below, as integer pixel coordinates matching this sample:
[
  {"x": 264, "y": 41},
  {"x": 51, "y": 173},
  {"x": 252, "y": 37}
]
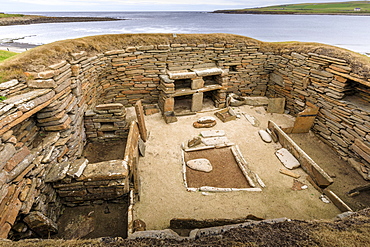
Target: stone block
[
  {"x": 50, "y": 83},
  {"x": 169, "y": 117},
  {"x": 40, "y": 224},
  {"x": 276, "y": 105},
  {"x": 77, "y": 167},
  {"x": 107, "y": 170},
  {"x": 112, "y": 106},
  {"x": 169, "y": 105},
  {"x": 197, "y": 83},
  {"x": 197, "y": 102}
]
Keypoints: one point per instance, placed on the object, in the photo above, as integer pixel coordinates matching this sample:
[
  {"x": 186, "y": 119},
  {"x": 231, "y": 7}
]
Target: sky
[{"x": 12, "y": 6}]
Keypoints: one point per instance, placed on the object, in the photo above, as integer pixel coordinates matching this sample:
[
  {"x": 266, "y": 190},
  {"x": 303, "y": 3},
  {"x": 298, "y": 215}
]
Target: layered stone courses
[{"x": 46, "y": 119}]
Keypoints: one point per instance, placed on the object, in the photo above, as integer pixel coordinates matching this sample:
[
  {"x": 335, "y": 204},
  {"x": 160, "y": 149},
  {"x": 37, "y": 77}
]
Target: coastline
[
  {"x": 34, "y": 19},
  {"x": 282, "y": 13},
  {"x": 16, "y": 47}
]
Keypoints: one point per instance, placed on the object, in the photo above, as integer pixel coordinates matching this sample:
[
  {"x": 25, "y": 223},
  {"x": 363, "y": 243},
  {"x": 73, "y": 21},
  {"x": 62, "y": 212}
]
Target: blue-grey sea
[{"x": 350, "y": 32}]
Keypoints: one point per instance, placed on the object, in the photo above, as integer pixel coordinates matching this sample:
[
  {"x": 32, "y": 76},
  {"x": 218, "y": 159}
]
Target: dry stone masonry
[{"x": 46, "y": 120}]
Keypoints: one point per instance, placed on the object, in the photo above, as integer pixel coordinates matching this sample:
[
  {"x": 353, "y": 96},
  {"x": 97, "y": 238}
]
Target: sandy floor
[{"x": 164, "y": 196}]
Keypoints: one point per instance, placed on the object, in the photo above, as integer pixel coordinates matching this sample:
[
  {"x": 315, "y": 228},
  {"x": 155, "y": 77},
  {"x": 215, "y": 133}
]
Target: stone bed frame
[{"x": 44, "y": 118}]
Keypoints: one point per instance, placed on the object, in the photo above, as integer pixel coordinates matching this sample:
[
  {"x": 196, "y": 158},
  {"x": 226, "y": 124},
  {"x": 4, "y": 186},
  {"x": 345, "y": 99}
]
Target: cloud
[
  {"x": 140, "y": 5},
  {"x": 128, "y": 2}
]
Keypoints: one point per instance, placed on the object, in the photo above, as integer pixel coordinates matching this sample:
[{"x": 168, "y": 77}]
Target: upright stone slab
[
  {"x": 197, "y": 102},
  {"x": 276, "y": 105},
  {"x": 305, "y": 119},
  {"x": 140, "y": 119}
]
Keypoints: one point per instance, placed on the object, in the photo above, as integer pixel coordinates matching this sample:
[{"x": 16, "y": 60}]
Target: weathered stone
[
  {"x": 212, "y": 133},
  {"x": 50, "y": 83},
  {"x": 107, "y": 170},
  {"x": 17, "y": 158},
  {"x": 141, "y": 121},
  {"x": 256, "y": 101},
  {"x": 169, "y": 117},
  {"x": 77, "y": 167},
  {"x": 194, "y": 142},
  {"x": 5, "y": 154},
  {"x": 184, "y": 74},
  {"x": 8, "y": 84},
  {"x": 40, "y": 224},
  {"x": 57, "y": 172},
  {"x": 287, "y": 159},
  {"x": 265, "y": 136},
  {"x": 202, "y": 165},
  {"x": 214, "y": 141},
  {"x": 19, "y": 99},
  {"x": 23, "y": 165},
  {"x": 35, "y": 102},
  {"x": 197, "y": 102},
  {"x": 276, "y": 105},
  {"x": 112, "y": 106}
]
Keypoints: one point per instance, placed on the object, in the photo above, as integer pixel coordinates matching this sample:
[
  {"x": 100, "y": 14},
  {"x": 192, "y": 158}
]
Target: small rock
[
  {"x": 265, "y": 136},
  {"x": 324, "y": 199},
  {"x": 288, "y": 160},
  {"x": 139, "y": 225},
  {"x": 202, "y": 165},
  {"x": 204, "y": 124}
]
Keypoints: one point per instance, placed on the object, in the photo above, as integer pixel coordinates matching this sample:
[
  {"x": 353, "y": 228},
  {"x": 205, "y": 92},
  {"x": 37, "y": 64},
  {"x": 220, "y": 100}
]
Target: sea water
[{"x": 350, "y": 32}]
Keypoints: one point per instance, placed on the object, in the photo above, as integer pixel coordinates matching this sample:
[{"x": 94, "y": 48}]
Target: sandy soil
[{"x": 163, "y": 195}]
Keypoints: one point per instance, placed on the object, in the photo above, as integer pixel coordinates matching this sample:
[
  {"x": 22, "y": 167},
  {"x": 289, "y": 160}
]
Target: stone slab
[
  {"x": 203, "y": 165},
  {"x": 265, "y": 136},
  {"x": 141, "y": 121},
  {"x": 214, "y": 141},
  {"x": 287, "y": 159},
  {"x": 212, "y": 133},
  {"x": 76, "y": 168},
  {"x": 107, "y": 170},
  {"x": 276, "y": 105}
]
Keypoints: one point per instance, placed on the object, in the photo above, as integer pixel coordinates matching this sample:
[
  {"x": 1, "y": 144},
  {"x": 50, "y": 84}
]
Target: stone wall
[
  {"x": 42, "y": 117},
  {"x": 342, "y": 96}
]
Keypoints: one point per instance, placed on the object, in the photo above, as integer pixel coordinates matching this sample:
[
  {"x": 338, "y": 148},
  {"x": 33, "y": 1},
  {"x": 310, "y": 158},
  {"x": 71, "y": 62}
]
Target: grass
[
  {"x": 39, "y": 58},
  {"x": 6, "y": 54},
  {"x": 319, "y": 8},
  {"x": 2, "y": 15}
]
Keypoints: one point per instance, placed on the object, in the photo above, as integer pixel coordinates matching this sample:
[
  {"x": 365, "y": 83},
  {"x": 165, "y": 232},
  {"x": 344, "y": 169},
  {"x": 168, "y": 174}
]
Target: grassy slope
[
  {"x": 6, "y": 54},
  {"x": 338, "y": 7}
]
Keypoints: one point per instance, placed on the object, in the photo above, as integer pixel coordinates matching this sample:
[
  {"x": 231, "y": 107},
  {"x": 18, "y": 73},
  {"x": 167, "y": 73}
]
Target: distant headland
[
  {"x": 19, "y": 19},
  {"x": 335, "y": 8}
]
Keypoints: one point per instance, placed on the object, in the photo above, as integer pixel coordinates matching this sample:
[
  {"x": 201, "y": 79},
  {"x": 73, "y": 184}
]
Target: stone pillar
[{"x": 197, "y": 102}]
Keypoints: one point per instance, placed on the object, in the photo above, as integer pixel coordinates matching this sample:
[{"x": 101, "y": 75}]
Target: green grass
[
  {"x": 337, "y": 7},
  {"x": 6, "y": 54},
  {"x": 2, "y": 15}
]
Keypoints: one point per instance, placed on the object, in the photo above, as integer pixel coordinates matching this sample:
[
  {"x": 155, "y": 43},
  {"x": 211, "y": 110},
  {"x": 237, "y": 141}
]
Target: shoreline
[
  {"x": 32, "y": 19},
  {"x": 282, "y": 13},
  {"x": 16, "y": 47}
]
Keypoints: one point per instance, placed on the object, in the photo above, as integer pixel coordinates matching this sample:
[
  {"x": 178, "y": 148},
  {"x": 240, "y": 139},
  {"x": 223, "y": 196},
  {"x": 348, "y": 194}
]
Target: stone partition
[{"x": 48, "y": 114}]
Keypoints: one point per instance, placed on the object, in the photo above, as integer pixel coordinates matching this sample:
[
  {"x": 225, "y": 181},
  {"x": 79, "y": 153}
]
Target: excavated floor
[{"x": 163, "y": 195}]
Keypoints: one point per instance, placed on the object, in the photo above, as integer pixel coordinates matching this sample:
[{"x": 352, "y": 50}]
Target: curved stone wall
[{"x": 42, "y": 118}]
